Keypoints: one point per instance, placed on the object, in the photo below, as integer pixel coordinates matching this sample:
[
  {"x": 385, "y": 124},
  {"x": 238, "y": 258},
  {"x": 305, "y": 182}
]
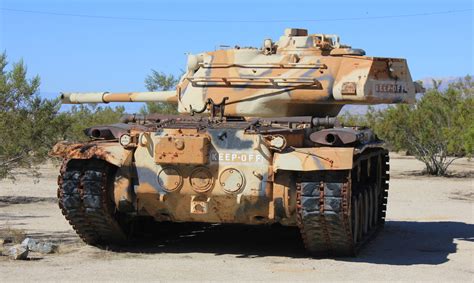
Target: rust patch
[
  {"x": 110, "y": 152},
  {"x": 182, "y": 149}
]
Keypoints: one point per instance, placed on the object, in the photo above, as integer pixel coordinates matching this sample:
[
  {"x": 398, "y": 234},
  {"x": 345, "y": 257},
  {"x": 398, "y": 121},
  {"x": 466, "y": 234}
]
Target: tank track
[
  {"x": 338, "y": 211},
  {"x": 84, "y": 200}
]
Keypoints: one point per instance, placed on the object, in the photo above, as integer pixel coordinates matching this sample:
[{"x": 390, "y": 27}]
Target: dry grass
[
  {"x": 9, "y": 235},
  {"x": 107, "y": 254},
  {"x": 69, "y": 248},
  {"x": 103, "y": 254},
  {"x": 13, "y": 235}
]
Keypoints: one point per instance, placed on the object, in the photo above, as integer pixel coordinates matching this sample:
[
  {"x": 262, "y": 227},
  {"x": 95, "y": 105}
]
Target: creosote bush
[
  {"x": 31, "y": 125},
  {"x": 437, "y": 129}
]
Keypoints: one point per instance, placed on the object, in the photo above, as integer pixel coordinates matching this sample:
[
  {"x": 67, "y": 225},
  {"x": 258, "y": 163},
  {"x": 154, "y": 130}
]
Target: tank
[{"x": 256, "y": 142}]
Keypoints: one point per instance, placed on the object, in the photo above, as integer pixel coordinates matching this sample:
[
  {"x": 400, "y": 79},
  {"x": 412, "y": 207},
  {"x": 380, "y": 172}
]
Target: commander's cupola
[{"x": 298, "y": 41}]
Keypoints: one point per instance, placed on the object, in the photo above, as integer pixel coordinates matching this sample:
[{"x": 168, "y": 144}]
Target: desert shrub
[
  {"x": 159, "y": 81},
  {"x": 31, "y": 125},
  {"x": 26, "y": 120},
  {"x": 71, "y": 124},
  {"x": 437, "y": 129}
]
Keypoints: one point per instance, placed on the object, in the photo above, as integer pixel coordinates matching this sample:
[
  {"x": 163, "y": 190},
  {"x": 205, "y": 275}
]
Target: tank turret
[{"x": 300, "y": 74}]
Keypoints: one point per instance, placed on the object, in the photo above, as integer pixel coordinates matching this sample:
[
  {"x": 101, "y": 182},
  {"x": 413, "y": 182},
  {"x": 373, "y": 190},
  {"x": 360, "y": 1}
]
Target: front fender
[
  {"x": 315, "y": 158},
  {"x": 111, "y": 152}
]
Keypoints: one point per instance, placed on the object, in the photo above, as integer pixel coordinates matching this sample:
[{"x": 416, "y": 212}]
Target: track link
[
  {"x": 83, "y": 187},
  {"x": 338, "y": 211}
]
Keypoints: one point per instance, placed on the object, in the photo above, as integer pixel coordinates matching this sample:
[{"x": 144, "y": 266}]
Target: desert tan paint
[
  {"x": 229, "y": 179},
  {"x": 195, "y": 174}
]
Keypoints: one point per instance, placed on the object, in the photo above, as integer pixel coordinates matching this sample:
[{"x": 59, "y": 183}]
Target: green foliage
[
  {"x": 437, "y": 129},
  {"x": 30, "y": 125},
  {"x": 72, "y": 124},
  {"x": 360, "y": 120},
  {"x": 158, "y": 81},
  {"x": 26, "y": 121}
]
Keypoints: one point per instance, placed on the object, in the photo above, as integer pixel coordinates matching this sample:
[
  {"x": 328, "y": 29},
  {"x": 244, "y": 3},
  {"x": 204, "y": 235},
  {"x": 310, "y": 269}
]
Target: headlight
[{"x": 125, "y": 139}]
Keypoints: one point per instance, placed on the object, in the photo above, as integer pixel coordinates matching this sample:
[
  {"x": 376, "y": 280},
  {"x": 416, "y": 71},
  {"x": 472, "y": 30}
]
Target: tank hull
[{"x": 236, "y": 172}]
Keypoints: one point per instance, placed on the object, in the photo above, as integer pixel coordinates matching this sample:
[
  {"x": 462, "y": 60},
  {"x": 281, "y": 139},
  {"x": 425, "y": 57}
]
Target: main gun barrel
[{"x": 106, "y": 97}]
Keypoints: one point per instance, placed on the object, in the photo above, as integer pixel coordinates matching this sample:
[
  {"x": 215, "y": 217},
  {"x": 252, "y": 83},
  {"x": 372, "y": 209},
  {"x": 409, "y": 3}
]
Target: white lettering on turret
[{"x": 390, "y": 88}]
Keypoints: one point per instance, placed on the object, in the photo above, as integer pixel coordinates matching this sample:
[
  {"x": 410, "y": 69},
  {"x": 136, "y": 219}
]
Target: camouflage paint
[
  {"x": 298, "y": 75},
  {"x": 223, "y": 174}
]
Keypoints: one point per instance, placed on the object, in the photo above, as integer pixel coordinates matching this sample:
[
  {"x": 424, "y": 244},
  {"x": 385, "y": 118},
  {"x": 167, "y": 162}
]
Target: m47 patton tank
[{"x": 257, "y": 142}]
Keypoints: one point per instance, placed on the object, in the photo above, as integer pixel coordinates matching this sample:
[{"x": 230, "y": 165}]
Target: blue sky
[{"x": 97, "y": 54}]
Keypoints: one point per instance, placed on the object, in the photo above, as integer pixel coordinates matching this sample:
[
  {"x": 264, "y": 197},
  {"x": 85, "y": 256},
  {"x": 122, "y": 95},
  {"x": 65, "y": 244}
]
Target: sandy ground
[{"x": 429, "y": 236}]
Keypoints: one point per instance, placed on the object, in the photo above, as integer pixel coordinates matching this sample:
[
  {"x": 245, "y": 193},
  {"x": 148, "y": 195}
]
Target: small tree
[
  {"x": 438, "y": 129},
  {"x": 71, "y": 124},
  {"x": 26, "y": 120},
  {"x": 159, "y": 81}
]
